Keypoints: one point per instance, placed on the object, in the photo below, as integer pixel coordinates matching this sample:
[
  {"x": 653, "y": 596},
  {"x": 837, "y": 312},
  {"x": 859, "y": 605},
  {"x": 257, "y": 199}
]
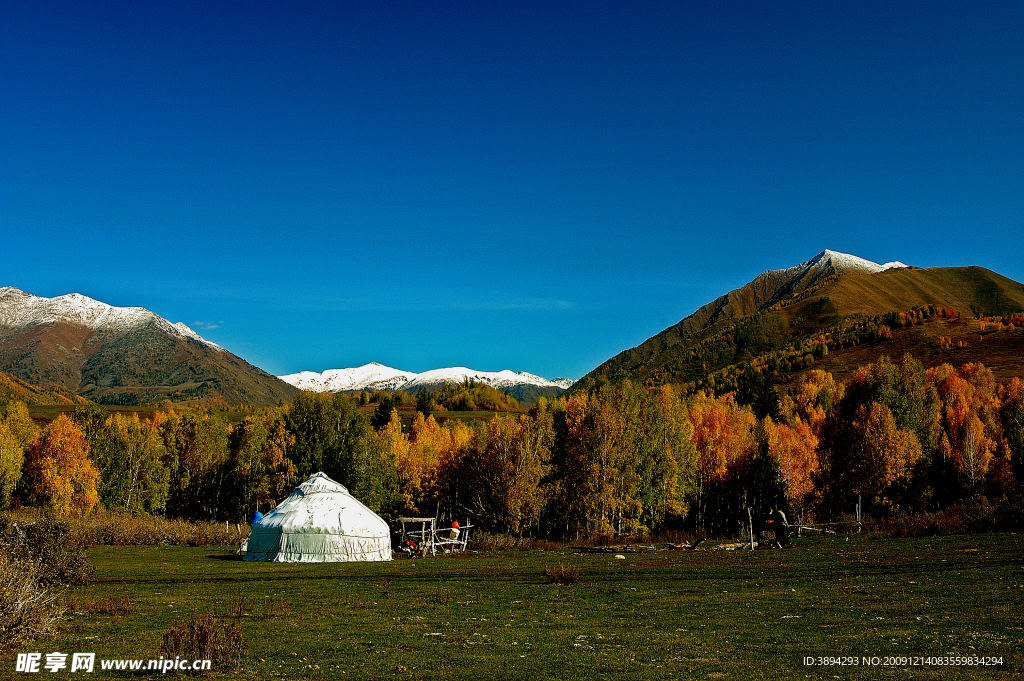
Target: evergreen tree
[{"x": 382, "y": 414}]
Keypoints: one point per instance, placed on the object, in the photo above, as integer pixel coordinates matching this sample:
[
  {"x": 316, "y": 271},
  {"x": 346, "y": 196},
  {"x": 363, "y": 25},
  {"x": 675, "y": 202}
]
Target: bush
[
  {"x": 27, "y": 611},
  {"x": 565, "y": 576},
  {"x": 47, "y": 546},
  {"x": 1009, "y": 516},
  {"x": 963, "y": 517},
  {"x": 106, "y": 605},
  {"x": 485, "y": 541},
  {"x": 203, "y": 639}
]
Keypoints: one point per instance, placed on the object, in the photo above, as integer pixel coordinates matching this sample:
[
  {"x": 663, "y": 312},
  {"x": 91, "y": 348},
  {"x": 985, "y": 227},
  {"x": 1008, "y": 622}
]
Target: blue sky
[{"x": 533, "y": 185}]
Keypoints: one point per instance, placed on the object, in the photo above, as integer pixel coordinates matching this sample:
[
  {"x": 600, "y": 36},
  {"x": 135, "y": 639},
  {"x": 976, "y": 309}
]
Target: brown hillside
[
  {"x": 973, "y": 291},
  {"x": 143, "y": 365},
  {"x": 784, "y": 313}
]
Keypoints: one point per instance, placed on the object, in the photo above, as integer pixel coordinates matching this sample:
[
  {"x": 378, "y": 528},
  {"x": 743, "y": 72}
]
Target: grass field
[
  {"x": 49, "y": 412},
  {"x": 494, "y": 615}
]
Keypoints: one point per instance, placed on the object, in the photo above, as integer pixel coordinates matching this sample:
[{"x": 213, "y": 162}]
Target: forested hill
[
  {"x": 827, "y": 304},
  {"x": 14, "y": 388}
]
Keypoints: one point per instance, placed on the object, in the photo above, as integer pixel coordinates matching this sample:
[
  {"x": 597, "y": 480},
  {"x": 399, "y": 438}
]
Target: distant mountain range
[
  {"x": 122, "y": 355},
  {"x": 73, "y": 345},
  {"x": 781, "y": 307},
  {"x": 525, "y": 387}
]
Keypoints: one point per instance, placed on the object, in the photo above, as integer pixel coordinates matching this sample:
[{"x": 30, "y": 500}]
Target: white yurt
[{"x": 320, "y": 522}]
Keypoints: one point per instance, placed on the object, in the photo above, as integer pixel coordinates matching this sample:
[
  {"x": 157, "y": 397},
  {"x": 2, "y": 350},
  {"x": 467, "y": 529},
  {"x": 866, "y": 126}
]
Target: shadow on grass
[{"x": 226, "y": 557}]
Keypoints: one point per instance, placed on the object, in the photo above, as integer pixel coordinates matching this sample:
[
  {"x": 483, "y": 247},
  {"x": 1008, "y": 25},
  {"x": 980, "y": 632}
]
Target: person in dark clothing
[{"x": 777, "y": 523}]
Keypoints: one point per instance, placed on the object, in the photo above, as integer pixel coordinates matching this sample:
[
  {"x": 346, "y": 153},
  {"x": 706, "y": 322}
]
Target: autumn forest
[{"x": 618, "y": 459}]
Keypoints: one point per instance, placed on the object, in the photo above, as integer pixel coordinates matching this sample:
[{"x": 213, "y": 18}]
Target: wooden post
[
  {"x": 858, "y": 514},
  {"x": 750, "y": 519}
]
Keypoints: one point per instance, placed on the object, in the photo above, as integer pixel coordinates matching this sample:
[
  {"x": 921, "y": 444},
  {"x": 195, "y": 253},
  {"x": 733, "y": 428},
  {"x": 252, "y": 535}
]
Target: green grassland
[{"x": 658, "y": 615}]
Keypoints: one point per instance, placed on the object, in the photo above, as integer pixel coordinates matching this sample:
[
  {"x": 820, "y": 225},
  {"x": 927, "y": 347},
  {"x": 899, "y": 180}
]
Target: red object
[{"x": 455, "y": 524}]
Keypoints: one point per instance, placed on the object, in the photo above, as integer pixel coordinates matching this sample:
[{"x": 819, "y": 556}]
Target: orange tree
[{"x": 58, "y": 472}]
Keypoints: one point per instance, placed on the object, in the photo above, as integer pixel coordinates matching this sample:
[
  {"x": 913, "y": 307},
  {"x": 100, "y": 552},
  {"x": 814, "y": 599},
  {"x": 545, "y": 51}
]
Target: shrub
[
  {"x": 1009, "y": 516},
  {"x": 47, "y": 546},
  {"x": 485, "y": 541},
  {"x": 27, "y": 611},
  {"x": 203, "y": 639},
  {"x": 107, "y": 605},
  {"x": 564, "y": 576},
  {"x": 966, "y": 516},
  {"x": 115, "y": 529}
]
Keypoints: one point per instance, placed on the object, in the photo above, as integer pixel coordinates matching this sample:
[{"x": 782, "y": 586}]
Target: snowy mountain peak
[
  {"x": 374, "y": 376},
  {"x": 844, "y": 262},
  {"x": 19, "y": 310}
]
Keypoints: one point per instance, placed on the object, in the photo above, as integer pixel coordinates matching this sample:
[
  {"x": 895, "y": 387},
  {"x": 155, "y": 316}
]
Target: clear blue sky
[{"x": 526, "y": 185}]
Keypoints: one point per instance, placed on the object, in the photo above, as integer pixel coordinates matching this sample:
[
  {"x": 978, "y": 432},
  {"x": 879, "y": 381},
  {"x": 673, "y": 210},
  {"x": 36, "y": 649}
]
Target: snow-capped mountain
[
  {"x": 374, "y": 376},
  {"x": 122, "y": 355},
  {"x": 779, "y": 308},
  {"x": 843, "y": 262},
  {"x": 775, "y": 286},
  {"x": 20, "y": 310},
  {"x": 370, "y": 376}
]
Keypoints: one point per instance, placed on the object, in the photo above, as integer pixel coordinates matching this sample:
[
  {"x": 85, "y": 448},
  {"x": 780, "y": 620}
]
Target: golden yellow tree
[
  {"x": 60, "y": 474},
  {"x": 721, "y": 434},
  {"x": 796, "y": 449},
  {"x": 883, "y": 454},
  {"x": 969, "y": 408},
  {"x": 12, "y": 456},
  {"x": 16, "y": 433},
  {"x": 510, "y": 469},
  {"x": 815, "y": 396},
  {"x": 417, "y": 463}
]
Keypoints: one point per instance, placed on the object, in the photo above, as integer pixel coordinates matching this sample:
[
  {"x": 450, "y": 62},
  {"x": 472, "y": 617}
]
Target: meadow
[{"x": 665, "y": 614}]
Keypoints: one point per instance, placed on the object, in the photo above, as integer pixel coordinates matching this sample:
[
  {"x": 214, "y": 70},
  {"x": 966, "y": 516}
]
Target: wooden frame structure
[{"x": 431, "y": 539}]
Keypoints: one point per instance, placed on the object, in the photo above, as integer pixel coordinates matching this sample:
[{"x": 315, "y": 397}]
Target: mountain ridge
[
  {"x": 799, "y": 301},
  {"x": 122, "y": 355},
  {"x": 524, "y": 386}
]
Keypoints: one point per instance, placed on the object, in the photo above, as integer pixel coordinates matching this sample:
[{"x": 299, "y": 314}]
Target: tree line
[{"x": 620, "y": 458}]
